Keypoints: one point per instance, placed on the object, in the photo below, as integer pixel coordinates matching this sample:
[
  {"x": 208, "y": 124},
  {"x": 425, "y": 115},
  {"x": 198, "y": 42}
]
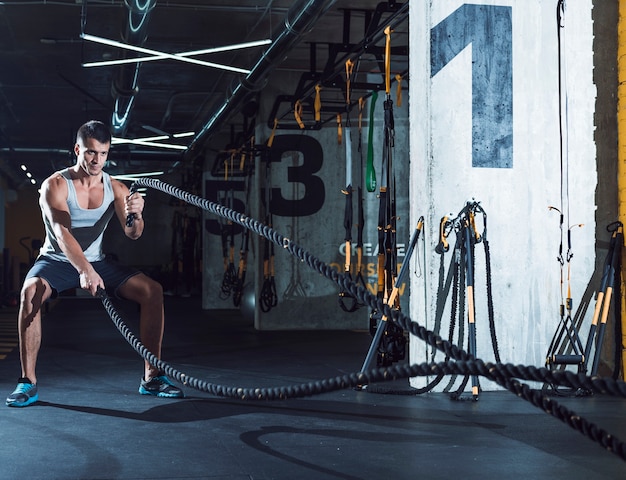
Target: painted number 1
[{"x": 488, "y": 29}]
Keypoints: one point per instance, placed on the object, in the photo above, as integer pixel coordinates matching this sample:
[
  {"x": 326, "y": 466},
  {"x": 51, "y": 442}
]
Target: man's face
[{"x": 92, "y": 155}]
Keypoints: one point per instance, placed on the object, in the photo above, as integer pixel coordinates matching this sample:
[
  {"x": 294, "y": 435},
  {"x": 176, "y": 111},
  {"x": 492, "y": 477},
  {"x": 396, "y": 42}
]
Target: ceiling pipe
[
  {"x": 299, "y": 20},
  {"x": 126, "y": 85}
]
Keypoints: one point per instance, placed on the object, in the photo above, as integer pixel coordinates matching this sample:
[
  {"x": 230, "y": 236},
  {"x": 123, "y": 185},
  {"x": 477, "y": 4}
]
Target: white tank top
[{"x": 88, "y": 224}]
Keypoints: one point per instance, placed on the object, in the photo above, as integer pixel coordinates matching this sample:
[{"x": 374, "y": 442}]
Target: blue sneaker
[
  {"x": 160, "y": 386},
  {"x": 24, "y": 394}
]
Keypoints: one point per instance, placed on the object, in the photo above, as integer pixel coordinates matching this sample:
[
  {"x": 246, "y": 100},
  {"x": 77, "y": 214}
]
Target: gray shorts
[{"x": 63, "y": 276}]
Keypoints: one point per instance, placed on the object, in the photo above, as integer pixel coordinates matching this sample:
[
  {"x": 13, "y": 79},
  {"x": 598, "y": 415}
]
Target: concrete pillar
[{"x": 485, "y": 117}]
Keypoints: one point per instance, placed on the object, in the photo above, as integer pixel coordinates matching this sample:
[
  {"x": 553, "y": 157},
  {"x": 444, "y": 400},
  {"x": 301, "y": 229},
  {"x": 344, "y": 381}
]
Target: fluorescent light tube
[{"x": 163, "y": 55}]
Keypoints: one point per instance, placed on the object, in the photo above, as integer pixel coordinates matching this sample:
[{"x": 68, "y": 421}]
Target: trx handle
[
  {"x": 370, "y": 173},
  {"x": 567, "y": 359},
  {"x": 348, "y": 145}
]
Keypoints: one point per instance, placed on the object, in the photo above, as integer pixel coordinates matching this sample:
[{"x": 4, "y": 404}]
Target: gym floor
[{"x": 90, "y": 422}]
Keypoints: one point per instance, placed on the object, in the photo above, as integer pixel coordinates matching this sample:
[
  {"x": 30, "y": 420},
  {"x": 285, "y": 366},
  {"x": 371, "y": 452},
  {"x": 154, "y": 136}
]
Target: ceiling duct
[
  {"x": 299, "y": 20},
  {"x": 125, "y": 86}
]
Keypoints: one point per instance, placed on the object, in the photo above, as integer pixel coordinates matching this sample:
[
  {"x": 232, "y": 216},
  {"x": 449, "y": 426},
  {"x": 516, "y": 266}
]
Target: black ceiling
[{"x": 46, "y": 92}]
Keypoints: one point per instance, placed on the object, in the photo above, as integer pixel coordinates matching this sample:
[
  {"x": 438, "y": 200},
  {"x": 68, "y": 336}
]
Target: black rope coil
[{"x": 460, "y": 363}]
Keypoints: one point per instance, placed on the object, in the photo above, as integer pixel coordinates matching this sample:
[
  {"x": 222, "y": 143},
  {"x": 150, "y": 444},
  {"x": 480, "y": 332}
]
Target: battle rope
[
  {"x": 505, "y": 375},
  {"x": 462, "y": 272}
]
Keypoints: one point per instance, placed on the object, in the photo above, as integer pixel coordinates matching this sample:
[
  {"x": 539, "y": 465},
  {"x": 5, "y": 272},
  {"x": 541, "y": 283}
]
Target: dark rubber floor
[{"x": 91, "y": 423}]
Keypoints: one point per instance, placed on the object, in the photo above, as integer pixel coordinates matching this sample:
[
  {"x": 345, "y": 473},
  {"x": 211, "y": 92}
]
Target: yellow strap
[
  {"x": 226, "y": 168},
  {"x": 228, "y": 163},
  {"x": 399, "y": 90},
  {"x": 339, "y": 131},
  {"x": 270, "y": 140},
  {"x": 317, "y": 104},
  {"x": 387, "y": 32},
  {"x": 297, "y": 112},
  {"x": 242, "y": 161},
  {"x": 346, "y": 267},
  {"x": 349, "y": 69}
]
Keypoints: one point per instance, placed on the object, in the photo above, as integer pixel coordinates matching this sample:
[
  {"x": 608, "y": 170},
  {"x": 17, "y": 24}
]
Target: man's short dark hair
[{"x": 94, "y": 129}]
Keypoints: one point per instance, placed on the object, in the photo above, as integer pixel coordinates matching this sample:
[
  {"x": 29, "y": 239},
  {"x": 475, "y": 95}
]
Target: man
[{"x": 77, "y": 204}]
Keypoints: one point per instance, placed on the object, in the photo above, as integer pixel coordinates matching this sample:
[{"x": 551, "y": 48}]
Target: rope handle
[{"x": 130, "y": 219}]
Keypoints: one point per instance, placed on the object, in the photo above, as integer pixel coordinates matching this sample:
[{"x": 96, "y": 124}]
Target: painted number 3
[{"x": 311, "y": 198}]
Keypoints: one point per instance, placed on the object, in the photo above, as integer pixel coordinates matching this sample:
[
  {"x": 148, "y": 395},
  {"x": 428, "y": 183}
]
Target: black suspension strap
[
  {"x": 268, "y": 297},
  {"x": 505, "y": 375},
  {"x": 393, "y": 346},
  {"x": 229, "y": 279},
  {"x": 225, "y": 286},
  {"x": 243, "y": 253},
  {"x": 242, "y": 267},
  {"x": 347, "y": 302},
  {"x": 382, "y": 232},
  {"x": 380, "y": 270},
  {"x": 360, "y": 280},
  {"x": 565, "y": 347}
]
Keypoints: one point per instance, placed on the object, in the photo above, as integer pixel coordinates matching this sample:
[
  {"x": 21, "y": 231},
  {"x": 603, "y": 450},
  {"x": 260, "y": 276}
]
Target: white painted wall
[{"x": 524, "y": 234}]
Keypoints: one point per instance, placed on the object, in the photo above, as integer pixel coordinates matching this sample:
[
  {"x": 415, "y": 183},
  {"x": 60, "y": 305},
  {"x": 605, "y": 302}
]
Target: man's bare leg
[
  {"x": 149, "y": 295},
  {"x": 35, "y": 292}
]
